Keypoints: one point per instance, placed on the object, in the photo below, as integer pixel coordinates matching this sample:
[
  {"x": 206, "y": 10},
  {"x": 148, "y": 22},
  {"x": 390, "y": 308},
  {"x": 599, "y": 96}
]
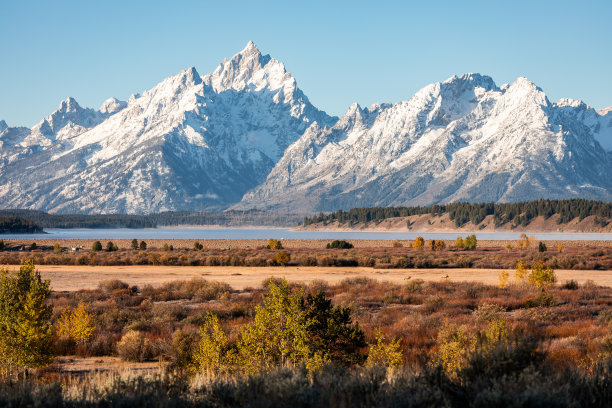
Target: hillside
[{"x": 443, "y": 223}]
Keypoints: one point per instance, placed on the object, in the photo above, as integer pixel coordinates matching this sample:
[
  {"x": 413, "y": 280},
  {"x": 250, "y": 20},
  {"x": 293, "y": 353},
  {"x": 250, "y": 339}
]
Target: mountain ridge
[{"x": 246, "y": 136}]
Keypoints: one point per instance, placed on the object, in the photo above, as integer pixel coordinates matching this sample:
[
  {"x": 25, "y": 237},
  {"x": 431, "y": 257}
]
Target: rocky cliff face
[{"x": 462, "y": 139}]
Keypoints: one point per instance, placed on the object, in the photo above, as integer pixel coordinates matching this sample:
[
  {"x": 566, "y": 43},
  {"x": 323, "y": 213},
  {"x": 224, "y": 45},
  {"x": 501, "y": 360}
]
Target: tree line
[
  {"x": 18, "y": 225},
  {"x": 519, "y": 213},
  {"x": 227, "y": 218}
]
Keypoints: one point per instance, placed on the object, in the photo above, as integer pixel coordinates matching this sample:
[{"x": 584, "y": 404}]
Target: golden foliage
[{"x": 383, "y": 353}]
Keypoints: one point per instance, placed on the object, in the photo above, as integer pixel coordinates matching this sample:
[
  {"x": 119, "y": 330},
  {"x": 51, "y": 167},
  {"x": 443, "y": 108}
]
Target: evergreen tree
[{"x": 97, "y": 246}]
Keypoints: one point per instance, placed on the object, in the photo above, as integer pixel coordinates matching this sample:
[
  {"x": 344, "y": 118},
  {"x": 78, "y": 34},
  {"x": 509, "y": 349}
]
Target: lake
[{"x": 281, "y": 233}]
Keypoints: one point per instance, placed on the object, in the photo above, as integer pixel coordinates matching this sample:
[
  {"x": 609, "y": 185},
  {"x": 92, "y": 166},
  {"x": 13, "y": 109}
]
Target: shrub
[
  {"x": 33, "y": 246},
  {"x": 436, "y": 245},
  {"x": 274, "y": 244},
  {"x": 111, "y": 246},
  {"x": 134, "y": 243},
  {"x": 339, "y": 244},
  {"x": 397, "y": 244},
  {"x": 570, "y": 285},
  {"x": 97, "y": 246},
  {"x": 1, "y": 244},
  {"x": 112, "y": 285},
  {"x": 143, "y": 245},
  {"x": 503, "y": 277},
  {"x": 184, "y": 344},
  {"x": 196, "y": 288},
  {"x": 282, "y": 258},
  {"x": 542, "y": 247},
  {"x": 543, "y": 299},
  {"x": 197, "y": 246},
  {"x": 57, "y": 248},
  {"x": 488, "y": 312},
  {"x": 133, "y": 346}
]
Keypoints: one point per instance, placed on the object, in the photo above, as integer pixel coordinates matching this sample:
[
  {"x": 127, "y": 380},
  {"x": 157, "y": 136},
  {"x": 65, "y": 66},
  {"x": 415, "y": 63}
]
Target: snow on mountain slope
[
  {"x": 189, "y": 143},
  {"x": 69, "y": 120},
  {"x": 462, "y": 139}
]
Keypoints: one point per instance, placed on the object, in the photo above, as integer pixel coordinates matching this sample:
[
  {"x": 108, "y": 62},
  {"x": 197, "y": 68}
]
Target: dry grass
[{"x": 74, "y": 278}]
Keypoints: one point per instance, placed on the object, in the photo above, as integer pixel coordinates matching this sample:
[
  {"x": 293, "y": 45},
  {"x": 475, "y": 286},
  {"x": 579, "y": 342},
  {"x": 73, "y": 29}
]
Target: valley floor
[{"x": 77, "y": 277}]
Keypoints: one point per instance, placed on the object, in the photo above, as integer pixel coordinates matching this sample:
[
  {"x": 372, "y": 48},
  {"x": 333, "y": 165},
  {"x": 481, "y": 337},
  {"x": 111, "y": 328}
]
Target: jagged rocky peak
[
  {"x": 471, "y": 80},
  {"x": 250, "y": 70},
  {"x": 605, "y": 111},
  {"x": 112, "y": 105}
]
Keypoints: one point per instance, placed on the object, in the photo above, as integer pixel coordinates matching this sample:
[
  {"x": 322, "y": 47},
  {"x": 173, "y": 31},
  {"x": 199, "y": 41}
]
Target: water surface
[{"x": 281, "y": 233}]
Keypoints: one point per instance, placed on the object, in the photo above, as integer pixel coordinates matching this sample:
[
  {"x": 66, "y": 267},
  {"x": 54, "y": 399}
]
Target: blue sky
[{"x": 339, "y": 52}]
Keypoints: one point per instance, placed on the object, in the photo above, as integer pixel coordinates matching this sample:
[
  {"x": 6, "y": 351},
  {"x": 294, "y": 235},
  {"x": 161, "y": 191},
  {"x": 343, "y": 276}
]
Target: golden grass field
[{"x": 72, "y": 277}]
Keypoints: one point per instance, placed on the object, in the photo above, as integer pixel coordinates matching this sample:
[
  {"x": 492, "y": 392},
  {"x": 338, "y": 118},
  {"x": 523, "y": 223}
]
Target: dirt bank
[{"x": 443, "y": 223}]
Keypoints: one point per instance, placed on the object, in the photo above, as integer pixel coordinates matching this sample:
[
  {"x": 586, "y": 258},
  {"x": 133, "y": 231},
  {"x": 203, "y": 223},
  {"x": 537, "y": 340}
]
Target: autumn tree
[
  {"x": 274, "y": 244},
  {"x": 418, "y": 243},
  {"x": 25, "y": 329},
  {"x": 278, "y": 335},
  {"x": 470, "y": 242},
  {"x": 212, "y": 353},
  {"x": 383, "y": 353},
  {"x": 282, "y": 258},
  {"x": 77, "y": 324},
  {"x": 459, "y": 243}
]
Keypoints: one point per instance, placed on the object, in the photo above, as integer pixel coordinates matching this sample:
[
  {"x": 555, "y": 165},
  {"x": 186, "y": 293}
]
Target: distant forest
[
  {"x": 18, "y": 225},
  {"x": 521, "y": 213},
  {"x": 227, "y": 218}
]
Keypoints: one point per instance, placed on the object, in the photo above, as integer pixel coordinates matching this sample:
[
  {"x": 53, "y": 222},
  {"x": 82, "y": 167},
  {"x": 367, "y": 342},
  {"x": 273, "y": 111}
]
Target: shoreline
[{"x": 125, "y": 243}]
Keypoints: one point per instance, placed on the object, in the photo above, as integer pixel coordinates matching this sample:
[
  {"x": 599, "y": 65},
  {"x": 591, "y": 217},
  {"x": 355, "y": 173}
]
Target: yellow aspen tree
[{"x": 383, "y": 353}]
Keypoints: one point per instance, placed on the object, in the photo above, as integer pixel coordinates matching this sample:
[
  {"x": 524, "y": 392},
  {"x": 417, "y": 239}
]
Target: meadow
[{"x": 535, "y": 336}]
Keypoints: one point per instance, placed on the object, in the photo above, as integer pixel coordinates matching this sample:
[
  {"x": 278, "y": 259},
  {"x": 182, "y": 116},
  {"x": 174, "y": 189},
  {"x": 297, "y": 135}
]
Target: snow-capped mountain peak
[
  {"x": 249, "y": 70},
  {"x": 3, "y": 125},
  {"x": 111, "y": 106},
  {"x": 605, "y": 111},
  {"x": 460, "y": 139},
  {"x": 189, "y": 142}
]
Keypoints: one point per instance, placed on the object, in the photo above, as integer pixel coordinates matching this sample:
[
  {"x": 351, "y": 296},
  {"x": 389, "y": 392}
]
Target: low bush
[
  {"x": 339, "y": 244},
  {"x": 133, "y": 346}
]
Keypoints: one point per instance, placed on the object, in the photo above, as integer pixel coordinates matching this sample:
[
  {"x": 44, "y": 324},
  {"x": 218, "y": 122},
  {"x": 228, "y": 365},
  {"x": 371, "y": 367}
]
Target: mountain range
[{"x": 245, "y": 136}]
